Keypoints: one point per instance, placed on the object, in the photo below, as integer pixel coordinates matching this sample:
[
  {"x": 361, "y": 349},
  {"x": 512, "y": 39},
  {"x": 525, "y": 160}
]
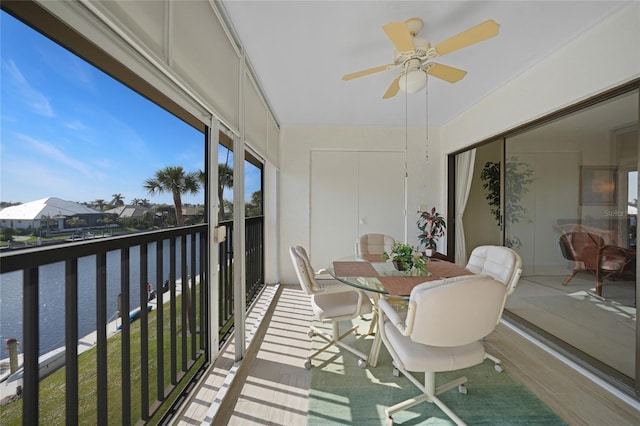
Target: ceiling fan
[{"x": 413, "y": 55}]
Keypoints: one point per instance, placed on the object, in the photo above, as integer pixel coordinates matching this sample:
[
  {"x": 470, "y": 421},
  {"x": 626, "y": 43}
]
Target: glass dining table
[{"x": 371, "y": 273}]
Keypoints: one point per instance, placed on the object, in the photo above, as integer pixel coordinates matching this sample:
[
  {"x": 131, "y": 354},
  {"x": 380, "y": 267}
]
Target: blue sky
[{"x": 70, "y": 131}]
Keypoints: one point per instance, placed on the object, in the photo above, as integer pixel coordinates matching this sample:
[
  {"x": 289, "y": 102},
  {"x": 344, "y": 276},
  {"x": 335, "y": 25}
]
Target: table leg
[
  {"x": 377, "y": 339},
  {"x": 401, "y": 305},
  {"x": 374, "y": 317}
]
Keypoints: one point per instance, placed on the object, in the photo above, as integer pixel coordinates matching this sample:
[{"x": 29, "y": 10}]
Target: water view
[{"x": 52, "y": 295}]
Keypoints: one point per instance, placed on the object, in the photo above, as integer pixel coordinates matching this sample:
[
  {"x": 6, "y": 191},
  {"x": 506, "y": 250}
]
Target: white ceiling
[{"x": 301, "y": 49}]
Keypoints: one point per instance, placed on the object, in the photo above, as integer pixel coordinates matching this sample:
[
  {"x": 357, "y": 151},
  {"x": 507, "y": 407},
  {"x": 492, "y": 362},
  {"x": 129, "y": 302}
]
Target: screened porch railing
[{"x": 150, "y": 356}]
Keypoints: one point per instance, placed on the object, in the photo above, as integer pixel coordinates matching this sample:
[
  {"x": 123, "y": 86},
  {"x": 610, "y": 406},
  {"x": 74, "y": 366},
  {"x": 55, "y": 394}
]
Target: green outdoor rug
[{"x": 343, "y": 394}]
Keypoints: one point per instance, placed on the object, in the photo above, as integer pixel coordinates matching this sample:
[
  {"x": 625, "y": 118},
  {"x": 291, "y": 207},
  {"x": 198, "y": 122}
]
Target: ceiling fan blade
[
  {"x": 393, "y": 88},
  {"x": 466, "y": 38},
  {"x": 368, "y": 71},
  {"x": 399, "y": 34},
  {"x": 445, "y": 72}
]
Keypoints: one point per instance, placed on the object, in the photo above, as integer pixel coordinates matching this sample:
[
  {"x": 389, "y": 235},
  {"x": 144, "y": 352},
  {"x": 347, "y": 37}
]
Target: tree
[
  {"x": 75, "y": 222},
  {"x": 104, "y": 221},
  {"x": 253, "y": 208},
  {"x": 225, "y": 180},
  {"x": 45, "y": 219},
  {"x": 99, "y": 203},
  {"x": 8, "y": 233},
  {"x": 147, "y": 218},
  {"x": 175, "y": 180},
  {"x": 118, "y": 200},
  {"x": 227, "y": 210},
  {"x": 164, "y": 214}
]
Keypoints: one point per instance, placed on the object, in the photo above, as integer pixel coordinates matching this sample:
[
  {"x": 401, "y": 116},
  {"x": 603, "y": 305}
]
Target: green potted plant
[
  {"x": 432, "y": 226},
  {"x": 406, "y": 258}
]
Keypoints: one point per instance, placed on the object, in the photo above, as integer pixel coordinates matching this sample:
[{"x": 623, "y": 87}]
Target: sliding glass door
[{"x": 564, "y": 195}]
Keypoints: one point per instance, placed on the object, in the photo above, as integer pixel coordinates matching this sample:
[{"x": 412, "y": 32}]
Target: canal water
[{"x": 52, "y": 295}]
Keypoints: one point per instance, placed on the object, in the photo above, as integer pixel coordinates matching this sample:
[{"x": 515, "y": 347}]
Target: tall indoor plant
[
  {"x": 518, "y": 177},
  {"x": 432, "y": 226}
]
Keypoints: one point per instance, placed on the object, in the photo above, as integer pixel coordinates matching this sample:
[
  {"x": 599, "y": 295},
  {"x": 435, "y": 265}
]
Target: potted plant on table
[
  {"x": 432, "y": 226},
  {"x": 406, "y": 258}
]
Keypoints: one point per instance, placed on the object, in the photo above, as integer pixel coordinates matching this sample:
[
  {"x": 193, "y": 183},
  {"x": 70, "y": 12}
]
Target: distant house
[
  {"x": 129, "y": 212},
  {"x": 192, "y": 210},
  {"x": 50, "y": 213}
]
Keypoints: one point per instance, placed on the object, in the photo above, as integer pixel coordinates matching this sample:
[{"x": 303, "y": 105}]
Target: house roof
[
  {"x": 129, "y": 211},
  {"x": 51, "y": 206}
]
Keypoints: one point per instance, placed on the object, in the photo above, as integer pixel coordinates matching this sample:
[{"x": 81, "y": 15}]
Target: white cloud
[
  {"x": 58, "y": 156},
  {"x": 75, "y": 125},
  {"x": 36, "y": 100}
]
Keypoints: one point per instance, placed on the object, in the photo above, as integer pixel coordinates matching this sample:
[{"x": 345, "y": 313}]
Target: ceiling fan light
[{"x": 413, "y": 81}]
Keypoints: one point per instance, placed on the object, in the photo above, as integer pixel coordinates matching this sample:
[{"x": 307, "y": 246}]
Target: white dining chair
[
  {"x": 442, "y": 331},
  {"x": 331, "y": 301},
  {"x": 503, "y": 264},
  {"x": 374, "y": 244}
]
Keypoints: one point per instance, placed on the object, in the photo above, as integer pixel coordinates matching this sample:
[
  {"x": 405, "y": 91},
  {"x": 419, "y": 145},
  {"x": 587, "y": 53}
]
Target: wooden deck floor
[{"x": 271, "y": 387}]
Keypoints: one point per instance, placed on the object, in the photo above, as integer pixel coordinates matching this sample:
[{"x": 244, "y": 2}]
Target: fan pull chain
[
  {"x": 406, "y": 128},
  {"x": 426, "y": 128}
]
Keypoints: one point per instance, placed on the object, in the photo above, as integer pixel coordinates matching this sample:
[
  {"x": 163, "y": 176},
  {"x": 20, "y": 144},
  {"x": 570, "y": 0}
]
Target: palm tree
[
  {"x": 225, "y": 180},
  {"x": 99, "y": 203},
  {"x": 118, "y": 200},
  {"x": 227, "y": 209},
  {"x": 254, "y": 207},
  {"x": 175, "y": 180},
  {"x": 44, "y": 223},
  {"x": 75, "y": 222}
]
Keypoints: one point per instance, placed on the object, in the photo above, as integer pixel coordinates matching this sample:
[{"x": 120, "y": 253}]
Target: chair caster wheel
[
  {"x": 310, "y": 333},
  {"x": 396, "y": 372},
  {"x": 307, "y": 365},
  {"x": 498, "y": 368},
  {"x": 462, "y": 389},
  {"x": 362, "y": 363}
]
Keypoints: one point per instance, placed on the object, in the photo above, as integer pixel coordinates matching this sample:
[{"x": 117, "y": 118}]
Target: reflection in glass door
[
  {"x": 568, "y": 192},
  {"x": 632, "y": 209},
  {"x": 570, "y": 208}
]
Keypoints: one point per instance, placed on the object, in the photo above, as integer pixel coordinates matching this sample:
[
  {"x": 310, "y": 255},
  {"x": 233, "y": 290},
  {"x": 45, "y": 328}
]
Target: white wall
[
  {"x": 604, "y": 57},
  {"x": 425, "y": 182},
  {"x": 271, "y": 223}
]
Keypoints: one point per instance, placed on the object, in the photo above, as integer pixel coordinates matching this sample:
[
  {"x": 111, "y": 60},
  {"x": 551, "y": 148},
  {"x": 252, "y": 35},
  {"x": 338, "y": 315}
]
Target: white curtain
[{"x": 464, "y": 176}]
